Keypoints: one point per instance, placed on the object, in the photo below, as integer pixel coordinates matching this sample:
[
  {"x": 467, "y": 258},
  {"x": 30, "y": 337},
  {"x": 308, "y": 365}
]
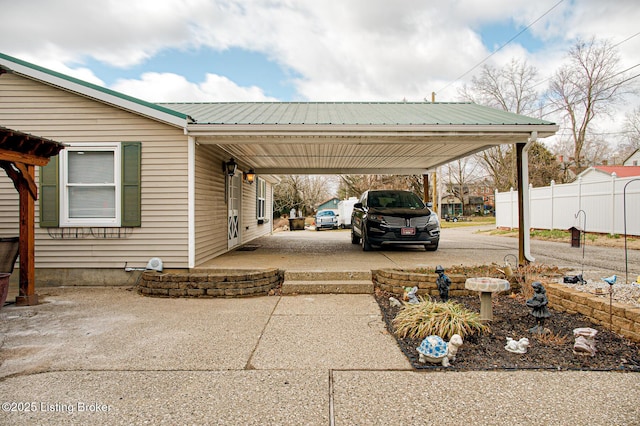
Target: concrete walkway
[
  {"x": 95, "y": 355},
  {"x": 109, "y": 356}
]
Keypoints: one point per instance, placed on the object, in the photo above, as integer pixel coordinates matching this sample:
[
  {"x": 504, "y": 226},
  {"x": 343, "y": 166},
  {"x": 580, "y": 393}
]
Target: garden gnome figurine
[
  {"x": 538, "y": 304},
  {"x": 443, "y": 282}
]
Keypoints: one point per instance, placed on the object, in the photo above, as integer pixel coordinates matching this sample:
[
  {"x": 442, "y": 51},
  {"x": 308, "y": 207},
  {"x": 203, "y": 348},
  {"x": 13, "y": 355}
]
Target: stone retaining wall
[
  {"x": 626, "y": 319},
  {"x": 219, "y": 283},
  {"x": 394, "y": 281}
]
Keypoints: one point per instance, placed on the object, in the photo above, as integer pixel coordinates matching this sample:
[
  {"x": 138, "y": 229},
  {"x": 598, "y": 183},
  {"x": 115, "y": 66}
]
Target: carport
[{"x": 364, "y": 138}]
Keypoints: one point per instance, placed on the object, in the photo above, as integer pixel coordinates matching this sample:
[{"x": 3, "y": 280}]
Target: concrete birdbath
[{"x": 486, "y": 287}]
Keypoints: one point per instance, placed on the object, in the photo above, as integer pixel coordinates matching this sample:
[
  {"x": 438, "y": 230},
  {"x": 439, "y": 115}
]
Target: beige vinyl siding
[
  {"x": 210, "y": 204},
  {"x": 9, "y": 214},
  {"x": 45, "y": 111}
]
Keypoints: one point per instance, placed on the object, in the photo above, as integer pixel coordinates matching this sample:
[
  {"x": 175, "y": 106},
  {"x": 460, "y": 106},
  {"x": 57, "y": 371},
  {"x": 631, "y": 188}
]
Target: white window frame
[
  {"x": 65, "y": 220},
  {"x": 261, "y": 200}
]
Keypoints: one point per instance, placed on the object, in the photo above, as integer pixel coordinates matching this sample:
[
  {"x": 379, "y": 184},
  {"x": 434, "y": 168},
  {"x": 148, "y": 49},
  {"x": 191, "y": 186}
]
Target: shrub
[
  {"x": 552, "y": 339},
  {"x": 417, "y": 321}
]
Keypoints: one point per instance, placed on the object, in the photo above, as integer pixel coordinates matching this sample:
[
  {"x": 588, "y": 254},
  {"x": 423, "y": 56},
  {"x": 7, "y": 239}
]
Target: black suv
[{"x": 386, "y": 217}]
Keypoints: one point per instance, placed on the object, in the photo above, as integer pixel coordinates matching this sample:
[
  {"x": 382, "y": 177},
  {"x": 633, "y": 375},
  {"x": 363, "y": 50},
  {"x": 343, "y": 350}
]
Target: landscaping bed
[{"x": 511, "y": 318}]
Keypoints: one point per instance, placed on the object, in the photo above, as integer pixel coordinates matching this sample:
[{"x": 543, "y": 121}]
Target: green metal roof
[
  {"x": 350, "y": 113},
  {"x": 286, "y": 113},
  {"x": 91, "y": 86}
]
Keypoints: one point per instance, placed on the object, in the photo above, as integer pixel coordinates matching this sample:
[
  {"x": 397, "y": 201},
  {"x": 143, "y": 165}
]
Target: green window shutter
[
  {"x": 49, "y": 194},
  {"x": 131, "y": 205}
]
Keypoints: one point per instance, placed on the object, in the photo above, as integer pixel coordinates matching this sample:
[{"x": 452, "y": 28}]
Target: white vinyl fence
[{"x": 558, "y": 206}]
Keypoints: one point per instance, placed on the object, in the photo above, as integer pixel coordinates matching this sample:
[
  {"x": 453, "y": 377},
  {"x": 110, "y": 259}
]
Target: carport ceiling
[{"x": 355, "y": 138}]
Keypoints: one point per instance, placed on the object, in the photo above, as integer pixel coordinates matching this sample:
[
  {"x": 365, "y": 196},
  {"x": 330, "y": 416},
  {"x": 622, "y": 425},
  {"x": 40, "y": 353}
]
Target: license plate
[{"x": 408, "y": 231}]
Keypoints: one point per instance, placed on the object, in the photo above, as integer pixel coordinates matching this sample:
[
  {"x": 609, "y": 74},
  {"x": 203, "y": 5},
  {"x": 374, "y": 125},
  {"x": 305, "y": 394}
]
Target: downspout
[
  {"x": 191, "y": 200},
  {"x": 524, "y": 219}
]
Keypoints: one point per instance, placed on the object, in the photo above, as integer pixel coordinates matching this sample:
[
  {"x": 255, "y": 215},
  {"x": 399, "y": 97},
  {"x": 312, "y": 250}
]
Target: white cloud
[
  {"x": 167, "y": 87},
  {"x": 335, "y": 49}
]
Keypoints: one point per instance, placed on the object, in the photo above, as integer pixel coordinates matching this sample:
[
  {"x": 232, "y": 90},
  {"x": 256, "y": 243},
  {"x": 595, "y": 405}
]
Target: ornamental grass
[{"x": 417, "y": 321}]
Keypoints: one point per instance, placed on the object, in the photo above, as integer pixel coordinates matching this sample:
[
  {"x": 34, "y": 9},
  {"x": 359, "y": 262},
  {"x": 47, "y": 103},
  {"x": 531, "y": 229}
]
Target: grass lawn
[
  {"x": 604, "y": 240},
  {"x": 471, "y": 221}
]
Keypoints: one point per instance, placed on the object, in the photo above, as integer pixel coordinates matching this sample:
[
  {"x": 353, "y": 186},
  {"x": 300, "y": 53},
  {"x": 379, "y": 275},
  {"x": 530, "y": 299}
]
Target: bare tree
[
  {"x": 287, "y": 194},
  {"x": 632, "y": 132},
  {"x": 304, "y": 193},
  {"x": 510, "y": 88},
  {"x": 588, "y": 85},
  {"x": 354, "y": 185},
  {"x": 316, "y": 189}
]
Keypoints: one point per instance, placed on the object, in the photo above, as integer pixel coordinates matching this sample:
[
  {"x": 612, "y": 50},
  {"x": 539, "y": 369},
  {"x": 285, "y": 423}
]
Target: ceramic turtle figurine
[{"x": 435, "y": 350}]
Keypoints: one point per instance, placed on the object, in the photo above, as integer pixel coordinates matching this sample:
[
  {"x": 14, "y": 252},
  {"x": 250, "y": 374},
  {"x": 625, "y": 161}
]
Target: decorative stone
[
  {"x": 517, "y": 346},
  {"x": 435, "y": 350},
  {"x": 585, "y": 341},
  {"x": 486, "y": 286}
]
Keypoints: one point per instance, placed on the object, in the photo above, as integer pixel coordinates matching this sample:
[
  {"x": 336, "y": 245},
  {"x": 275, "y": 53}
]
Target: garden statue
[
  {"x": 410, "y": 295},
  {"x": 517, "y": 346},
  {"x": 394, "y": 303},
  {"x": 435, "y": 350},
  {"x": 443, "y": 282},
  {"x": 585, "y": 341},
  {"x": 538, "y": 304}
]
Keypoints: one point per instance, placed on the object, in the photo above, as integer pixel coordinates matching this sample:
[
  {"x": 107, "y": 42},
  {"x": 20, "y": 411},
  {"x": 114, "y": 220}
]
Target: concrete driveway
[{"x": 333, "y": 251}]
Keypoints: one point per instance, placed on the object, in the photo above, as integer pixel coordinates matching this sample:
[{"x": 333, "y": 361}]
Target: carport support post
[
  {"x": 27, "y": 294},
  {"x": 425, "y": 187}
]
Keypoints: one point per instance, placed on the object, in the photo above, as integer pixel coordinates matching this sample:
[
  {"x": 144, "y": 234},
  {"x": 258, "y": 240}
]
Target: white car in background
[{"x": 326, "y": 219}]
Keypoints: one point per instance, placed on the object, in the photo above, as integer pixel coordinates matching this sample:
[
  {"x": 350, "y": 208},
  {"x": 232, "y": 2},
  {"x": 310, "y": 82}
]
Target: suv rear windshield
[
  {"x": 326, "y": 213},
  {"x": 395, "y": 199}
]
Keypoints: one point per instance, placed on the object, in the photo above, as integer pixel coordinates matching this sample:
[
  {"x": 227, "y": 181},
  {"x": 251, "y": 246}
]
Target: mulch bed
[{"x": 511, "y": 318}]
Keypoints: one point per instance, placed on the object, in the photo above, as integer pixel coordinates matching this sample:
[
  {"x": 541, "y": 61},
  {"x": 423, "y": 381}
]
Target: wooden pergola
[{"x": 19, "y": 154}]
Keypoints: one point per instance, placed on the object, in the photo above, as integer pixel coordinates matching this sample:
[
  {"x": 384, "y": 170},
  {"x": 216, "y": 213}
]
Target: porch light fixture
[
  {"x": 230, "y": 167},
  {"x": 250, "y": 176}
]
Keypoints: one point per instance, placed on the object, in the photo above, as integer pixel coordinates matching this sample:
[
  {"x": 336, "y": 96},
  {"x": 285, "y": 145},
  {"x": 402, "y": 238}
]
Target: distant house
[
  {"x": 598, "y": 173},
  {"x": 633, "y": 159},
  {"x": 331, "y": 204}
]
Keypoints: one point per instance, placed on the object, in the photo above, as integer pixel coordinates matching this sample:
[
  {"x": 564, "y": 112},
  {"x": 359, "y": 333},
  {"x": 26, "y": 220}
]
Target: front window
[
  {"x": 90, "y": 177},
  {"x": 261, "y": 198}
]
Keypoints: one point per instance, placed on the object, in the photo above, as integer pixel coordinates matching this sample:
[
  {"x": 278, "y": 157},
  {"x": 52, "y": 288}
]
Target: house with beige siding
[
  {"x": 129, "y": 186},
  {"x": 140, "y": 180}
]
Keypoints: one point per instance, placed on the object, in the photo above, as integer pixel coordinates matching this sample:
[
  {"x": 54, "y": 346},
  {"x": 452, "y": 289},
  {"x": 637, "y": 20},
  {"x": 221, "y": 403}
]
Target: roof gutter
[
  {"x": 524, "y": 202},
  {"x": 418, "y": 130}
]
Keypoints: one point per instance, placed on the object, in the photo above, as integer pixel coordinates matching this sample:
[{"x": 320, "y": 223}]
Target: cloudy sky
[{"x": 304, "y": 50}]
